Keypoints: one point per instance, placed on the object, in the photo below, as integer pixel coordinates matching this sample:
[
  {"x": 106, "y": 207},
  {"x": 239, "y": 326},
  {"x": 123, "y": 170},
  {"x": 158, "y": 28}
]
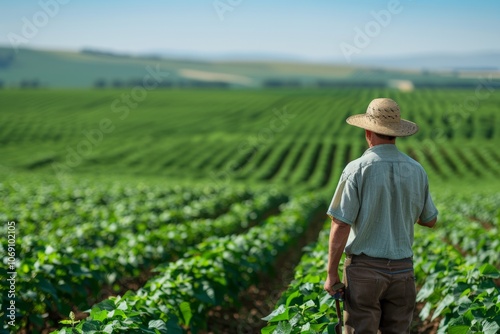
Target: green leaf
[
  {"x": 268, "y": 329},
  {"x": 91, "y": 327},
  {"x": 443, "y": 305},
  {"x": 281, "y": 313},
  {"x": 458, "y": 329},
  {"x": 98, "y": 315},
  {"x": 319, "y": 327},
  {"x": 158, "y": 325},
  {"x": 117, "y": 313},
  {"x": 283, "y": 328},
  {"x": 186, "y": 312},
  {"x": 295, "y": 319},
  {"x": 308, "y": 304},
  {"x": 489, "y": 271},
  {"x": 306, "y": 288},
  {"x": 306, "y": 328},
  {"x": 123, "y": 306},
  {"x": 291, "y": 297},
  {"x": 107, "y": 304},
  {"x": 426, "y": 290},
  {"x": 108, "y": 328},
  {"x": 490, "y": 327}
]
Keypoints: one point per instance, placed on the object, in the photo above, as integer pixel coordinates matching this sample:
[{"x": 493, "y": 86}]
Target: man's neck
[{"x": 372, "y": 144}]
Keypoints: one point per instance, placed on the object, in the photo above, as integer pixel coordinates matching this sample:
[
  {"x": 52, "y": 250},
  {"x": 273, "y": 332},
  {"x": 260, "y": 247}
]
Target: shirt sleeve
[
  {"x": 345, "y": 201},
  {"x": 429, "y": 211}
]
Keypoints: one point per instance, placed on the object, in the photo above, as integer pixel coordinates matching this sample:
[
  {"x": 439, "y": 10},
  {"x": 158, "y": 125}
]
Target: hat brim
[{"x": 402, "y": 129}]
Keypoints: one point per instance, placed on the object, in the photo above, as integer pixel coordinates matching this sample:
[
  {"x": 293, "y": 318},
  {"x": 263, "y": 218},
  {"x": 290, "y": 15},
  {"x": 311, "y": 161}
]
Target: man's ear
[{"x": 368, "y": 137}]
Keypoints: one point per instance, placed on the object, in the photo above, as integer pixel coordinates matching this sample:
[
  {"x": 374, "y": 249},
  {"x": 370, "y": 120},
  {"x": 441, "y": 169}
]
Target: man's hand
[
  {"x": 339, "y": 233},
  {"x": 331, "y": 280}
]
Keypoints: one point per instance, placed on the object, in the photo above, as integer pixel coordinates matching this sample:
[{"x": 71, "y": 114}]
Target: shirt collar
[{"x": 382, "y": 148}]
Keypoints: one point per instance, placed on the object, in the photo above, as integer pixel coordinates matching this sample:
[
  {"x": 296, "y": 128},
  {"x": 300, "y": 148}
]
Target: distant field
[
  {"x": 68, "y": 69},
  {"x": 193, "y": 198},
  {"x": 279, "y": 136}
]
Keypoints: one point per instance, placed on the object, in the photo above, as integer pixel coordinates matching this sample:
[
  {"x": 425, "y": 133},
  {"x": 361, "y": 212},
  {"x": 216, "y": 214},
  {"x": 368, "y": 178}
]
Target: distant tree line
[
  {"x": 30, "y": 83},
  {"x": 25, "y": 83},
  {"x": 372, "y": 83},
  {"x": 283, "y": 83},
  {"x": 118, "y": 83},
  {"x": 115, "y": 54},
  {"x": 103, "y": 53},
  {"x": 7, "y": 57}
]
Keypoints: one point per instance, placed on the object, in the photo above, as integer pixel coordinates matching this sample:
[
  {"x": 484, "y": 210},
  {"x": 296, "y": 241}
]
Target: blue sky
[{"x": 310, "y": 30}]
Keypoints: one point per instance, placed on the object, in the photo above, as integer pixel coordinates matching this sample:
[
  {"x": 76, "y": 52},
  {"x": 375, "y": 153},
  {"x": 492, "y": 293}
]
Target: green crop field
[{"x": 203, "y": 211}]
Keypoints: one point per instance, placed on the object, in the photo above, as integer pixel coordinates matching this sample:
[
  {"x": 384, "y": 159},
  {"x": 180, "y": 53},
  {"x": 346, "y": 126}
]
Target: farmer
[{"x": 380, "y": 196}]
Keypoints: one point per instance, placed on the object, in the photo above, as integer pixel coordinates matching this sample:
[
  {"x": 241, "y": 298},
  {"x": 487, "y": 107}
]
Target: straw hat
[{"x": 383, "y": 116}]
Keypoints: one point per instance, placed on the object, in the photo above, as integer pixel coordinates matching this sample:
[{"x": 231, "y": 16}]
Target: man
[{"x": 380, "y": 196}]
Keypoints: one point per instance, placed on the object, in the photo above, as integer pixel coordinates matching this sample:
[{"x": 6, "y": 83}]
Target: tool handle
[
  {"x": 338, "y": 326},
  {"x": 338, "y": 286}
]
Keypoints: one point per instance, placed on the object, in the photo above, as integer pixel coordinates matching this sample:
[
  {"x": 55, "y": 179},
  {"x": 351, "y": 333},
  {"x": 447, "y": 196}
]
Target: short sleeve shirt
[{"x": 381, "y": 195}]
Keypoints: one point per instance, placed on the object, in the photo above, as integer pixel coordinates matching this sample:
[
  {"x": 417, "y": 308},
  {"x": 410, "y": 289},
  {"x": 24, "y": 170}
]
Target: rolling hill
[{"x": 90, "y": 68}]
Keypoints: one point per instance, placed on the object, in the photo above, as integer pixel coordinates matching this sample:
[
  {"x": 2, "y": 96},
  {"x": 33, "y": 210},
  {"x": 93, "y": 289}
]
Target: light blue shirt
[{"x": 381, "y": 195}]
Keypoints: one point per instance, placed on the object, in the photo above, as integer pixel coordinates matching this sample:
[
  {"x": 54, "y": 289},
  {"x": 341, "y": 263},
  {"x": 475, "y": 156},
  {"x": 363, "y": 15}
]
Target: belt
[{"x": 371, "y": 258}]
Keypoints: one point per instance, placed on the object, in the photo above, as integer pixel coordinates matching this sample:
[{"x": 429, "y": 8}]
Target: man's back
[{"x": 391, "y": 190}]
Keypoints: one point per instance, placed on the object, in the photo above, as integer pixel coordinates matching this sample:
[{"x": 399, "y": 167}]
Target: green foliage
[
  {"x": 70, "y": 253},
  {"x": 457, "y": 288},
  {"x": 71, "y": 320},
  {"x": 305, "y": 307},
  {"x": 458, "y": 275},
  {"x": 209, "y": 275}
]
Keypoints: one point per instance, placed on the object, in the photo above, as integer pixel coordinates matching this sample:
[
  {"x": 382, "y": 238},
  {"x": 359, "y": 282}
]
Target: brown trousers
[{"x": 380, "y": 295}]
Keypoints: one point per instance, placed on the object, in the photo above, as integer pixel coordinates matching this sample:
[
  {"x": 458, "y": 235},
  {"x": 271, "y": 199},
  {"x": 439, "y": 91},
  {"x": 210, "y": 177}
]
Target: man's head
[{"x": 383, "y": 117}]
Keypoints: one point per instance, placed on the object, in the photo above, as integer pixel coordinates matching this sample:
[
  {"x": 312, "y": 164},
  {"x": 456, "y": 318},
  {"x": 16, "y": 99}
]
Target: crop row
[
  {"x": 88, "y": 215},
  {"x": 286, "y": 136},
  {"x": 305, "y": 307},
  {"x": 449, "y": 161},
  {"x": 457, "y": 267},
  {"x": 211, "y": 274},
  {"x": 457, "y": 279},
  {"x": 56, "y": 275},
  {"x": 318, "y": 163}
]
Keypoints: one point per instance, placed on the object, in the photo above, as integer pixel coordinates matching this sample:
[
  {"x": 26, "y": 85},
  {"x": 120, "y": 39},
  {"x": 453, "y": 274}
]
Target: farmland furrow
[
  {"x": 210, "y": 275},
  {"x": 291, "y": 162},
  {"x": 274, "y": 163}
]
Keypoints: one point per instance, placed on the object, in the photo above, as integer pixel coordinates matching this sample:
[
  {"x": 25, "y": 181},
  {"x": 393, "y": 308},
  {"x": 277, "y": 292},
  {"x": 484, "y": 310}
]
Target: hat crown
[{"x": 384, "y": 111}]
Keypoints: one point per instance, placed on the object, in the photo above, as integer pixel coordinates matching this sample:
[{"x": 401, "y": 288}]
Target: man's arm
[
  {"x": 429, "y": 224},
  {"x": 339, "y": 233}
]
